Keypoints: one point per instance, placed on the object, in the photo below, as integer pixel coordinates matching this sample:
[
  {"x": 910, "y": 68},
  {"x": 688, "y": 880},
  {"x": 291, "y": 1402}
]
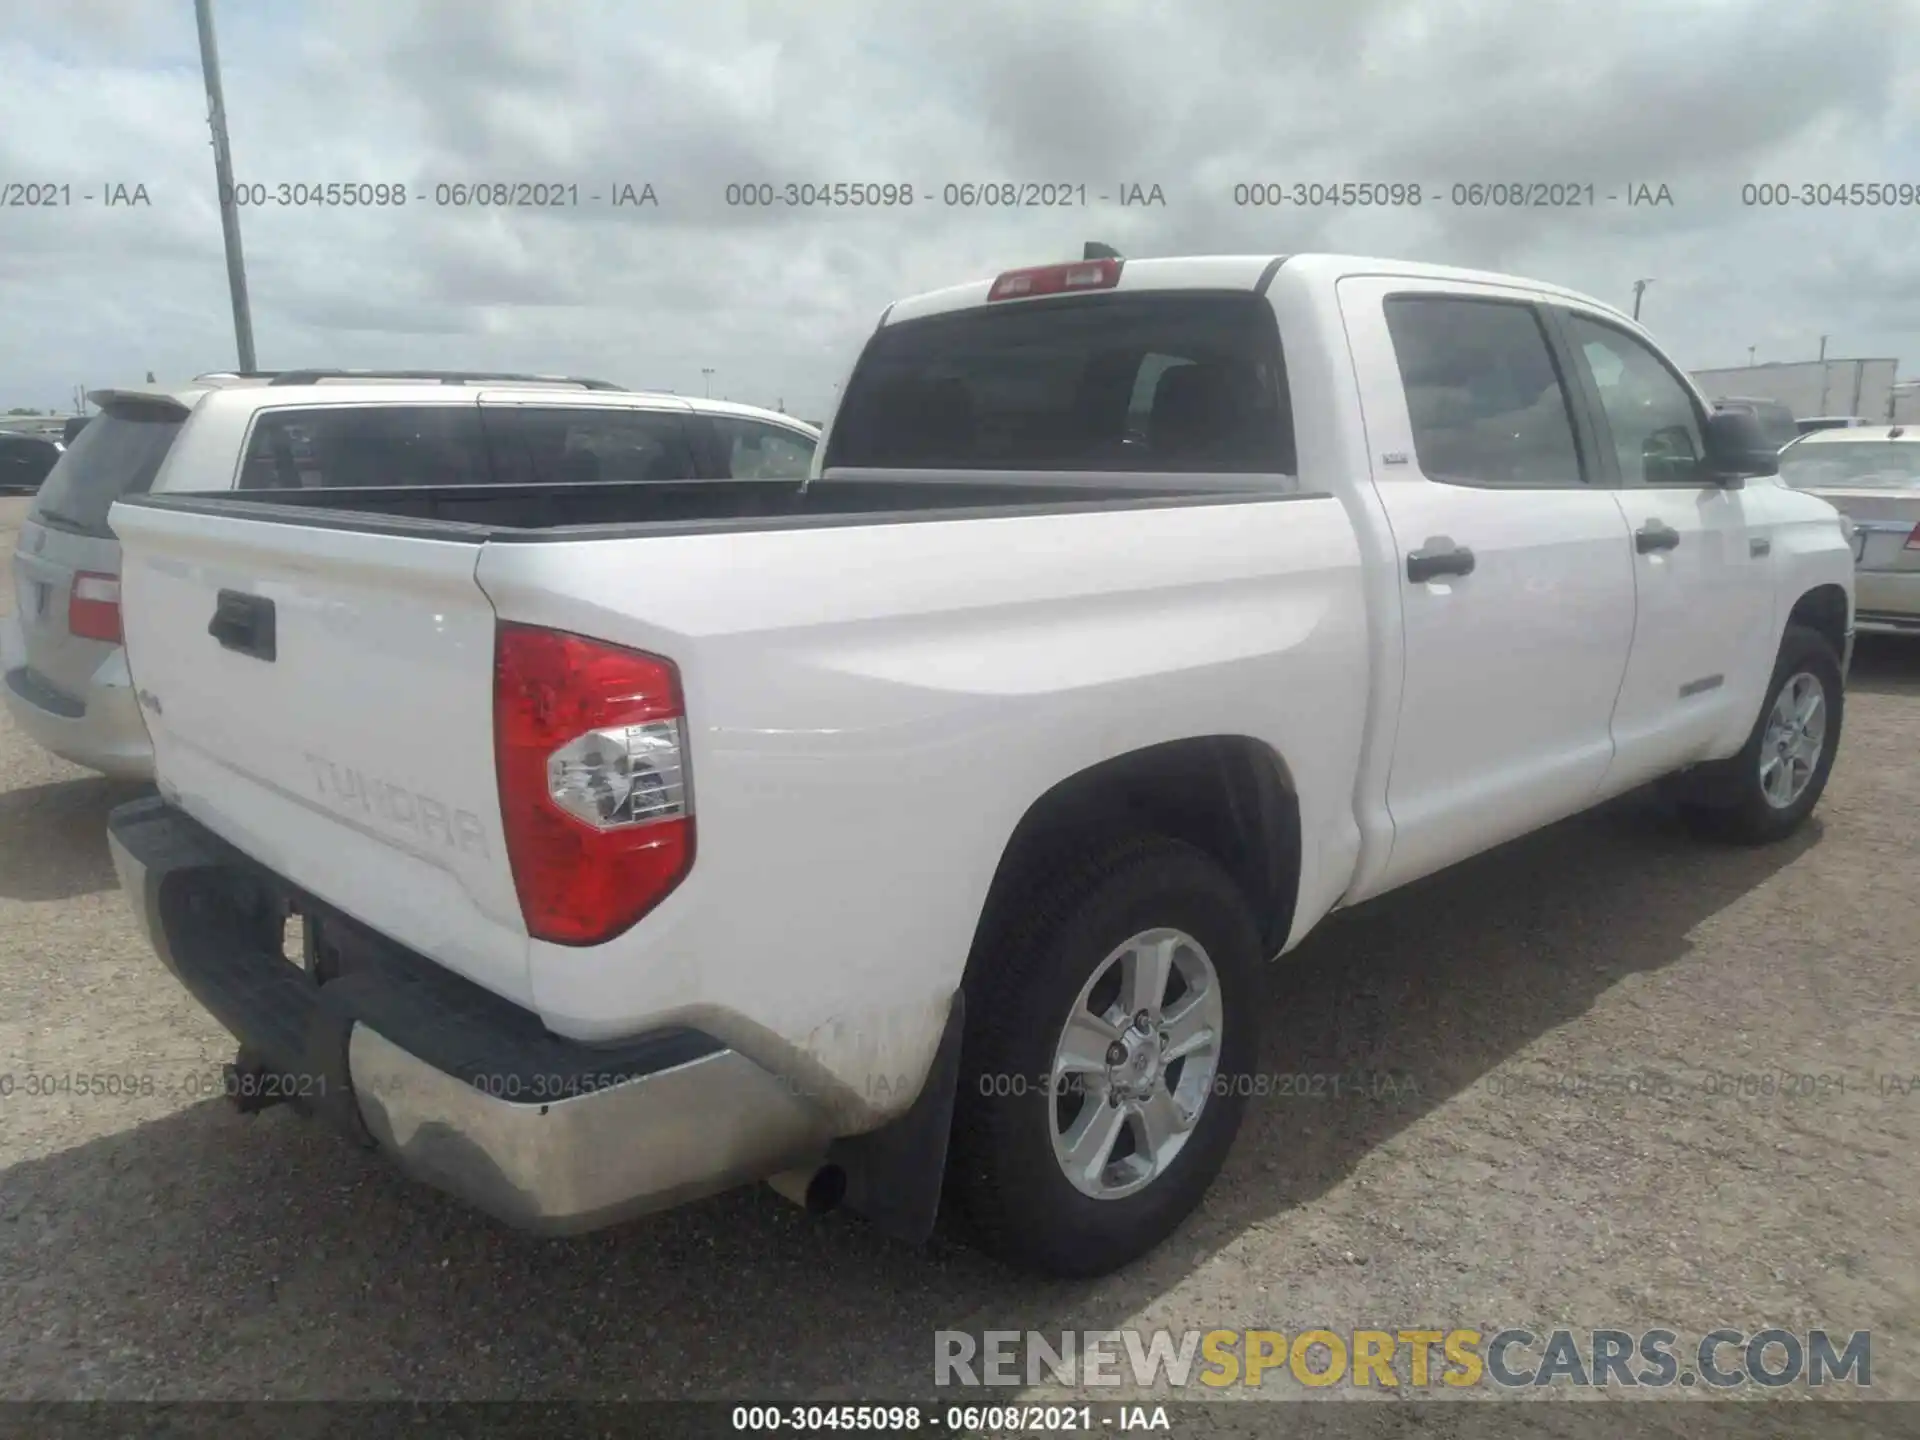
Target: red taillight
[
  {"x": 590, "y": 748},
  {"x": 1056, "y": 279},
  {"x": 93, "y": 609},
  {"x": 1913, "y": 539}
]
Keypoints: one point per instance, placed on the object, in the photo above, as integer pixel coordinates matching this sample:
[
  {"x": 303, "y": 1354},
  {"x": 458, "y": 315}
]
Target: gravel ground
[{"x": 163, "y": 1246}]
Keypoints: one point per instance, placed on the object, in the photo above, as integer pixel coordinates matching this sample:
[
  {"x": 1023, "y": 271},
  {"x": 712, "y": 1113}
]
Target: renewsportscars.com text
[{"x": 1414, "y": 1357}]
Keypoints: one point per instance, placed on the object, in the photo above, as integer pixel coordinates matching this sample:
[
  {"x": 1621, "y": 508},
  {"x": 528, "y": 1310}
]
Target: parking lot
[{"x": 1604, "y": 1077}]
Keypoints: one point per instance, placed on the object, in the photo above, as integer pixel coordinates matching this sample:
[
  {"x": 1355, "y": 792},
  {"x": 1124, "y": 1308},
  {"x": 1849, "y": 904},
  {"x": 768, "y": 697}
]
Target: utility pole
[
  {"x": 223, "y": 175},
  {"x": 1750, "y": 350},
  {"x": 1639, "y": 289},
  {"x": 1823, "y": 349},
  {"x": 706, "y": 381}
]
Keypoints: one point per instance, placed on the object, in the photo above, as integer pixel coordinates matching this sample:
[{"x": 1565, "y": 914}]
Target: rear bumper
[
  {"x": 464, "y": 1090},
  {"x": 101, "y": 729}
]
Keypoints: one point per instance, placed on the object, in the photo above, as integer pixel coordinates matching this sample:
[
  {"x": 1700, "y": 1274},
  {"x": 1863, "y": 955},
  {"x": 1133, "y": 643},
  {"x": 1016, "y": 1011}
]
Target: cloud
[{"x": 1193, "y": 97}]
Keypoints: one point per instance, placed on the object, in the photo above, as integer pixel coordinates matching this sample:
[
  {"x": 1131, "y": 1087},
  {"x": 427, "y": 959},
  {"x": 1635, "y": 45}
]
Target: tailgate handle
[{"x": 245, "y": 623}]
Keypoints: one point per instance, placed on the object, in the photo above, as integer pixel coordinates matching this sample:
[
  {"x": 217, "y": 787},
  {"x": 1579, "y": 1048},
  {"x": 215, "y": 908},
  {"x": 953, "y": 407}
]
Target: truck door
[
  {"x": 1702, "y": 563},
  {"x": 1515, "y": 575}
]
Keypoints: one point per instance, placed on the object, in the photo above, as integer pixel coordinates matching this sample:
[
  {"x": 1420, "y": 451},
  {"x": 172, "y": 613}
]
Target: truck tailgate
[{"x": 322, "y": 698}]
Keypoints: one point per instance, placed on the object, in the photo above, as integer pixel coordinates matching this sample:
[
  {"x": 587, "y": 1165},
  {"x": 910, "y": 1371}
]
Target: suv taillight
[
  {"x": 1913, "y": 539},
  {"x": 590, "y": 749},
  {"x": 93, "y": 609}
]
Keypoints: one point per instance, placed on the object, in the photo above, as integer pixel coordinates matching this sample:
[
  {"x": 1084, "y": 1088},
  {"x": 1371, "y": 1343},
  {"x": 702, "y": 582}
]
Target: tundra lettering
[{"x": 422, "y": 814}]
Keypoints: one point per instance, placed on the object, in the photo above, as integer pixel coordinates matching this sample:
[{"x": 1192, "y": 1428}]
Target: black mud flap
[{"x": 895, "y": 1174}]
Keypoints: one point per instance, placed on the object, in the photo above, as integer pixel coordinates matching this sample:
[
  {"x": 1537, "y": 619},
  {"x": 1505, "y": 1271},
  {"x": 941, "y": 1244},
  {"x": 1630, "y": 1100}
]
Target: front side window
[
  {"x": 1656, "y": 429},
  {"x": 752, "y": 450},
  {"x": 1483, "y": 394}
]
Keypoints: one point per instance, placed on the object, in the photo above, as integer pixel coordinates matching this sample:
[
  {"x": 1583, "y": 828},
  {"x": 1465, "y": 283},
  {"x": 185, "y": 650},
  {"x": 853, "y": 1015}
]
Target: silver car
[
  {"x": 63, "y": 672},
  {"x": 65, "y": 676},
  {"x": 1870, "y": 474}
]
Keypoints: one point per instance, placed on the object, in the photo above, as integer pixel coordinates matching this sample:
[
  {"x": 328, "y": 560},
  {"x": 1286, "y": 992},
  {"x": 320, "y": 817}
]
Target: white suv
[{"x": 444, "y": 436}]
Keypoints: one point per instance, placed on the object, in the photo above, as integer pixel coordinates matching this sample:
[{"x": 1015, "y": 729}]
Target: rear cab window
[
  {"x": 1167, "y": 382},
  {"x": 117, "y": 454}
]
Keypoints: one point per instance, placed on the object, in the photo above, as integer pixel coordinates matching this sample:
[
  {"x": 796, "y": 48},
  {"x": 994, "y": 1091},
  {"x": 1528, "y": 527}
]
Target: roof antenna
[{"x": 1096, "y": 251}]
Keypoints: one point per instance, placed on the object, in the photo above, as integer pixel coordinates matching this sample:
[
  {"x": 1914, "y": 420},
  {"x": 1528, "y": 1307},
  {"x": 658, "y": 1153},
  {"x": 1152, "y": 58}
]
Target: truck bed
[
  {"x": 319, "y": 677},
  {"x": 510, "y": 512}
]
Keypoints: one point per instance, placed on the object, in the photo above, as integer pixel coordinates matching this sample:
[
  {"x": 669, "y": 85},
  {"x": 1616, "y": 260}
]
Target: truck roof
[{"x": 1237, "y": 272}]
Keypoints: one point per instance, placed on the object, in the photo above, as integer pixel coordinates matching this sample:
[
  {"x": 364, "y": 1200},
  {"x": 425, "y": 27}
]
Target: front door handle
[
  {"x": 1655, "y": 535},
  {"x": 1439, "y": 556}
]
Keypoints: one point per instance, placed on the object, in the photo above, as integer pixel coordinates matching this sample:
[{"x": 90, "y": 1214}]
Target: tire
[
  {"x": 1028, "y": 974},
  {"x": 1728, "y": 800}
]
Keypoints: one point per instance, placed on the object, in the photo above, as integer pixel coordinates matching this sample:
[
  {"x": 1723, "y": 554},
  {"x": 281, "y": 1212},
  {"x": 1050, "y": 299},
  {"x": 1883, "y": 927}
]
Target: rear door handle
[
  {"x": 1439, "y": 556},
  {"x": 1655, "y": 535},
  {"x": 244, "y": 623}
]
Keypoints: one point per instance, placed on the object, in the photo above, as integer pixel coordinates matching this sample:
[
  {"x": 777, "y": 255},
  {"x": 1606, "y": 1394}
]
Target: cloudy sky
[{"x": 1193, "y": 96}]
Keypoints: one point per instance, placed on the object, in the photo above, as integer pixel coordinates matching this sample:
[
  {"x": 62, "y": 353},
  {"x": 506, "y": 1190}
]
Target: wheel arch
[
  {"x": 1232, "y": 797},
  {"x": 1825, "y": 610}
]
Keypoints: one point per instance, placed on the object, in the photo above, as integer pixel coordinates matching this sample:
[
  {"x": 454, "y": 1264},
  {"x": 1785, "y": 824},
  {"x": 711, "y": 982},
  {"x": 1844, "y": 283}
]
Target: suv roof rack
[{"x": 439, "y": 377}]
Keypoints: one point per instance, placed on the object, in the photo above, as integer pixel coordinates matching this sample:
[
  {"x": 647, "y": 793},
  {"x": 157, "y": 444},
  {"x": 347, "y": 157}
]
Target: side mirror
[{"x": 1737, "y": 448}]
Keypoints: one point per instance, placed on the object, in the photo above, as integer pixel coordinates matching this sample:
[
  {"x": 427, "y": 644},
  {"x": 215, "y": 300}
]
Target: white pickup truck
[{"x": 926, "y": 820}]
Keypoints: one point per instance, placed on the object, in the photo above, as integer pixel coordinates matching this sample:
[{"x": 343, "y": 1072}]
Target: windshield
[
  {"x": 117, "y": 454},
  {"x": 1176, "y": 382},
  {"x": 1852, "y": 465}
]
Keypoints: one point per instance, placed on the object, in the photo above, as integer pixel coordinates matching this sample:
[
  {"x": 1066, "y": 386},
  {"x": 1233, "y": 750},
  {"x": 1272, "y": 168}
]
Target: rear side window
[
  {"x": 1483, "y": 393},
  {"x": 117, "y": 454},
  {"x": 1168, "y": 382},
  {"x": 353, "y": 447},
  {"x": 752, "y": 450},
  {"x": 579, "y": 445}
]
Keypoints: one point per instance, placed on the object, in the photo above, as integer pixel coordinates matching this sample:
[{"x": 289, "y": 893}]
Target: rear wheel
[
  {"x": 1767, "y": 791},
  {"x": 1111, "y": 1030}
]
